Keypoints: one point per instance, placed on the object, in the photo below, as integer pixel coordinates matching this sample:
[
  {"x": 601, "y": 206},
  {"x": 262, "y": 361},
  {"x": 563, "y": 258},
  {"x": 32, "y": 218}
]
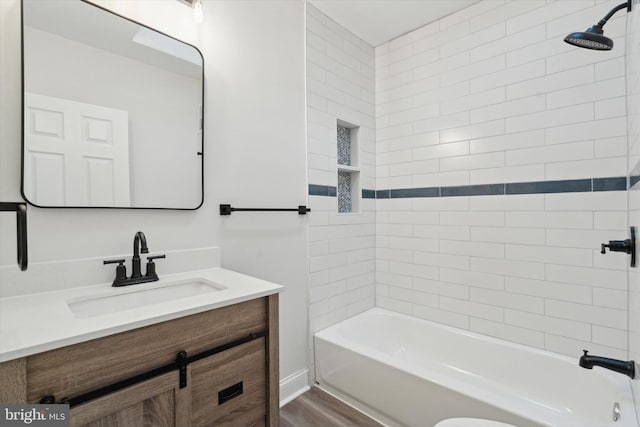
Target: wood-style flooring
[{"x": 315, "y": 408}]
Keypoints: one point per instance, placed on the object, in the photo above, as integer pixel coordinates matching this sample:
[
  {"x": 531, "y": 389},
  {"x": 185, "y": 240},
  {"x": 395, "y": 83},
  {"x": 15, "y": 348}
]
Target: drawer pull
[{"x": 229, "y": 393}]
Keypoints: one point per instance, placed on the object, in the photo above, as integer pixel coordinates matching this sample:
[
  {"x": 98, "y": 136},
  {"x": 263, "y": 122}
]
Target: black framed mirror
[{"x": 112, "y": 111}]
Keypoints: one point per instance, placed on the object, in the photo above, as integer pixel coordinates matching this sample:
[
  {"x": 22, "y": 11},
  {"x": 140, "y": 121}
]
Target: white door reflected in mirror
[{"x": 76, "y": 154}]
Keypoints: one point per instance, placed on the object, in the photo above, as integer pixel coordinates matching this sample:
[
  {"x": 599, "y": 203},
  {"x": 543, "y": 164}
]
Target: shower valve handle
[
  {"x": 628, "y": 246},
  {"x": 616, "y": 246}
]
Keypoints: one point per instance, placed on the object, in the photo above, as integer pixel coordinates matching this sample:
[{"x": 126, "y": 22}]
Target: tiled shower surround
[
  {"x": 492, "y": 95},
  {"x": 500, "y": 161},
  {"x": 340, "y": 87}
]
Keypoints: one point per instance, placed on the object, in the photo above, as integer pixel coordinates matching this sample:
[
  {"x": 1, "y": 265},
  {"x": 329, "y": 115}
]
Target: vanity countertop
[{"x": 40, "y": 322}]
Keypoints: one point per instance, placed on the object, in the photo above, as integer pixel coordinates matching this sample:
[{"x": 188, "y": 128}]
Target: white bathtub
[{"x": 411, "y": 372}]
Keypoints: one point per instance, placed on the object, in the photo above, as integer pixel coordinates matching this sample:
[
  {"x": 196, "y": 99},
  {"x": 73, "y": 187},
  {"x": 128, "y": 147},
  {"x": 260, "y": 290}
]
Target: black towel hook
[{"x": 21, "y": 230}]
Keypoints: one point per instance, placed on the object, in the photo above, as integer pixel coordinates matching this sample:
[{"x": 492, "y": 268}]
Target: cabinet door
[
  {"x": 229, "y": 388},
  {"x": 157, "y": 402}
]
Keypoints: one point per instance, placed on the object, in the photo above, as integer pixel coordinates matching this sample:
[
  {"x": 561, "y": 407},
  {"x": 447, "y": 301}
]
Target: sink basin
[{"x": 104, "y": 303}]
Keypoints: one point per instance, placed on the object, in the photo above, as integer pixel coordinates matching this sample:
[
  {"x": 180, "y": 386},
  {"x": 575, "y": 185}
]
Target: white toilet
[{"x": 471, "y": 422}]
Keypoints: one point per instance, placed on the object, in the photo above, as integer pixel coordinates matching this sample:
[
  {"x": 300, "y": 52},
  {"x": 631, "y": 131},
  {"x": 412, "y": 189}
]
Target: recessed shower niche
[{"x": 348, "y": 189}]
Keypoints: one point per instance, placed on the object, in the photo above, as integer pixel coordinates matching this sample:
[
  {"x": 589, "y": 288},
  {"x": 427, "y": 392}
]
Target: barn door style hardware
[{"x": 180, "y": 364}]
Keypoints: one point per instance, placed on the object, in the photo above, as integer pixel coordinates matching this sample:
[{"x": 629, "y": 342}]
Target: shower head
[{"x": 593, "y": 37}]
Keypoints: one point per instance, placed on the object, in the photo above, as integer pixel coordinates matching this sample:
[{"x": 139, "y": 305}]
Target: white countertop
[{"x": 39, "y": 322}]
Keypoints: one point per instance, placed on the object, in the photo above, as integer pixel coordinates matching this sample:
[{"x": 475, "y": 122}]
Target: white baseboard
[{"x": 293, "y": 386}]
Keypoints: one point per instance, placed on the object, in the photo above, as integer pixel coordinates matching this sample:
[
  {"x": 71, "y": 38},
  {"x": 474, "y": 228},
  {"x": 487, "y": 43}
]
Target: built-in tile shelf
[
  {"x": 348, "y": 169},
  {"x": 348, "y": 190},
  {"x": 347, "y": 144}
]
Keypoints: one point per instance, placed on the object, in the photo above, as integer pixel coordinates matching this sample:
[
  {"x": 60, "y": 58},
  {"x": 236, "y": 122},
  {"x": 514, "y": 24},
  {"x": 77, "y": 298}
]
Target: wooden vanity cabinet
[{"x": 232, "y": 380}]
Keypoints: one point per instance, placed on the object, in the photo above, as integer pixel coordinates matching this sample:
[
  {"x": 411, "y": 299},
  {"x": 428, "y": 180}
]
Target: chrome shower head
[{"x": 593, "y": 37}]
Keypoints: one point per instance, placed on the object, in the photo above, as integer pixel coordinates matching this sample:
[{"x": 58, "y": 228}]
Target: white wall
[
  {"x": 340, "y": 86},
  {"x": 153, "y": 97},
  {"x": 492, "y": 95},
  {"x": 254, "y": 156},
  {"x": 254, "y": 62}
]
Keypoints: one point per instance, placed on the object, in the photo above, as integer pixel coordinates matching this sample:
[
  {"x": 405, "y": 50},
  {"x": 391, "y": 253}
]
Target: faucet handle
[
  {"x": 151, "y": 266},
  {"x": 585, "y": 352},
  {"x": 121, "y": 270}
]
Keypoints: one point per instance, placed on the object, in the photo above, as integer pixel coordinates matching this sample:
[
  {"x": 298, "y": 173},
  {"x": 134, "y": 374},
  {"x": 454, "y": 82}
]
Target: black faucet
[
  {"x": 136, "y": 275},
  {"x": 138, "y": 239},
  {"x": 621, "y": 366}
]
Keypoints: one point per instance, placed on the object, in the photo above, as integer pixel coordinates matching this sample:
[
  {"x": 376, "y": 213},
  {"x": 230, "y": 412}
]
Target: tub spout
[{"x": 622, "y": 366}]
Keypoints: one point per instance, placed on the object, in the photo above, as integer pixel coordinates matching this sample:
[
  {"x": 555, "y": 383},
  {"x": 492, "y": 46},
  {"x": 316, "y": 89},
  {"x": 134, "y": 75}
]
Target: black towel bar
[
  {"x": 227, "y": 209},
  {"x": 21, "y": 230}
]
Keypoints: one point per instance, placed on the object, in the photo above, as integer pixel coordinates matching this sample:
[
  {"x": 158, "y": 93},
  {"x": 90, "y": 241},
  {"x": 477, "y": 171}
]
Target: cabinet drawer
[
  {"x": 80, "y": 368},
  {"x": 216, "y": 381}
]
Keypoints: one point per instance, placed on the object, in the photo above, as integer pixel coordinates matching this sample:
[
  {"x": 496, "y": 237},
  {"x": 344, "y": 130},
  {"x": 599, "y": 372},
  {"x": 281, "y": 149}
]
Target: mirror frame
[{"x": 22, "y": 118}]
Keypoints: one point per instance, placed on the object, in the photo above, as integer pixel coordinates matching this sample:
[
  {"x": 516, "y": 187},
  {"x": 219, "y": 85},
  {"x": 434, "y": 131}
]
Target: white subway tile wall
[
  {"x": 492, "y": 94},
  {"x": 633, "y": 104},
  {"x": 340, "y": 86}
]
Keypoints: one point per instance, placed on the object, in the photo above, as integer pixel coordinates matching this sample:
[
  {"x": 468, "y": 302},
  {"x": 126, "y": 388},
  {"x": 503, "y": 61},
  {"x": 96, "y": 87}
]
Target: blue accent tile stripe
[
  {"x": 330, "y": 191},
  {"x": 473, "y": 190},
  {"x": 402, "y": 193},
  {"x": 618, "y": 183},
  {"x": 383, "y": 194},
  {"x": 610, "y": 184},
  {"x": 566, "y": 186},
  {"x": 368, "y": 194},
  {"x": 321, "y": 190},
  {"x": 633, "y": 180}
]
